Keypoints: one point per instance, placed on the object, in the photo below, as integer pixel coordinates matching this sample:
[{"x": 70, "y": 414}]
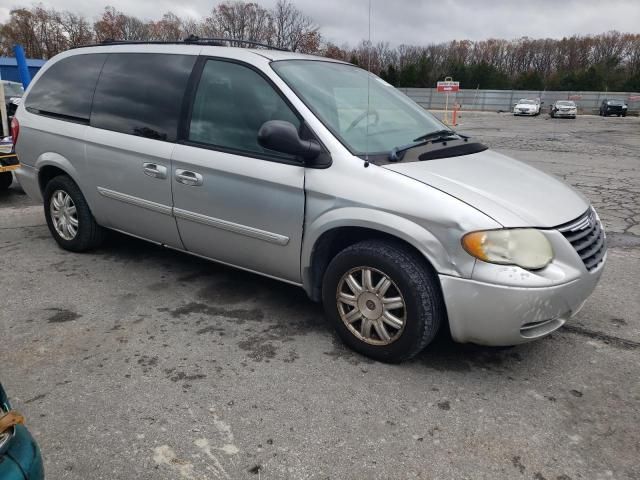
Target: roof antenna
[{"x": 366, "y": 155}]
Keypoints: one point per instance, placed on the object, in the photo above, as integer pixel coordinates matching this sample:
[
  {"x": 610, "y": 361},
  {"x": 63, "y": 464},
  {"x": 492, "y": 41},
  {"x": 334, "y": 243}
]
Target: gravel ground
[{"x": 140, "y": 362}]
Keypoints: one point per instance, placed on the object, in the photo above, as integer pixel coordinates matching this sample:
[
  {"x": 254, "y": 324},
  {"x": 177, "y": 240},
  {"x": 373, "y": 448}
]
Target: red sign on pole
[{"x": 448, "y": 86}]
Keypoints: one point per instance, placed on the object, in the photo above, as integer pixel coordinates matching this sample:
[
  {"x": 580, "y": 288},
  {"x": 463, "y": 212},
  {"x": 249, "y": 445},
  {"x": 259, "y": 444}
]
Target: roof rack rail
[
  {"x": 191, "y": 39},
  {"x": 221, "y": 41}
]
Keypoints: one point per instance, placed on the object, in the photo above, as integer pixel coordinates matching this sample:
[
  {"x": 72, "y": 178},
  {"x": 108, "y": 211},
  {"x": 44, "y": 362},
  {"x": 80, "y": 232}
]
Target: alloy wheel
[{"x": 371, "y": 306}]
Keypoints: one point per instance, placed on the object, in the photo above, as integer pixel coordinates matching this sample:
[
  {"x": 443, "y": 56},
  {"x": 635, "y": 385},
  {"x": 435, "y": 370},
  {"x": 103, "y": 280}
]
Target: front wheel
[
  {"x": 69, "y": 218},
  {"x": 383, "y": 300}
]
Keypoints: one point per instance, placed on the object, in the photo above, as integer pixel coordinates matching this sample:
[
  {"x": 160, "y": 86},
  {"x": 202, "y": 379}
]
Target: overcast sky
[{"x": 410, "y": 21}]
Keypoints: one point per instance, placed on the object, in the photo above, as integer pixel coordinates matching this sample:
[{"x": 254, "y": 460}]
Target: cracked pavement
[{"x": 140, "y": 362}]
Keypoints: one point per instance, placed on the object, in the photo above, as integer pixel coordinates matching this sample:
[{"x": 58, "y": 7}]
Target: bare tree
[
  {"x": 115, "y": 25},
  {"x": 293, "y": 30},
  {"x": 240, "y": 20},
  {"x": 167, "y": 29},
  {"x": 76, "y": 28}
]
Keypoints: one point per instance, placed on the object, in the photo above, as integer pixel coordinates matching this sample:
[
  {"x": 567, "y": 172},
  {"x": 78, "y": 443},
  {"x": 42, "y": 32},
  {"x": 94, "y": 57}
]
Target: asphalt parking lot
[{"x": 139, "y": 362}]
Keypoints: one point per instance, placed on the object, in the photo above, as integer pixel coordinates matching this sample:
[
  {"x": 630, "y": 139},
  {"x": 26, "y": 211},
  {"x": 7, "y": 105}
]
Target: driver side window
[{"x": 232, "y": 102}]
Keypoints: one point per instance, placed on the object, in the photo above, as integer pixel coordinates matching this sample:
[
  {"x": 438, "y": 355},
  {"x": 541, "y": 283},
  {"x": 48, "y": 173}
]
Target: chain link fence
[{"x": 503, "y": 100}]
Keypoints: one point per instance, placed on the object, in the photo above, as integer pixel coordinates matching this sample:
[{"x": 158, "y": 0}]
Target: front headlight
[
  {"x": 624, "y": 106},
  {"x": 525, "y": 247}
]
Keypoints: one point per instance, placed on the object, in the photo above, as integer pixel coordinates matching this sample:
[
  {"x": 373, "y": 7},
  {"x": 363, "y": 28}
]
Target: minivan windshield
[{"x": 338, "y": 94}]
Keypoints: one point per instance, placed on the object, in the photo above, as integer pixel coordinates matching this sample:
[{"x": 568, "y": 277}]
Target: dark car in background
[
  {"x": 19, "y": 454},
  {"x": 613, "y": 107}
]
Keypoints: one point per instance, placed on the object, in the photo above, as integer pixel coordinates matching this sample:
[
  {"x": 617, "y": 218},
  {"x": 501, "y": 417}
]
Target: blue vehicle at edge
[{"x": 19, "y": 454}]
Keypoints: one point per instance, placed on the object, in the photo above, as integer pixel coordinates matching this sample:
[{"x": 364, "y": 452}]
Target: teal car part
[{"x": 20, "y": 457}]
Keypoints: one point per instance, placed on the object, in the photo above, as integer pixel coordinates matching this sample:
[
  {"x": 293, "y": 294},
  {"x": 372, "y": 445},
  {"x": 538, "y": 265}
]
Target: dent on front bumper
[{"x": 490, "y": 314}]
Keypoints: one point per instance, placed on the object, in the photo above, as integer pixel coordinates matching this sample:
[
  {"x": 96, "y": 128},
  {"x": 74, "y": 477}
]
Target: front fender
[{"x": 412, "y": 233}]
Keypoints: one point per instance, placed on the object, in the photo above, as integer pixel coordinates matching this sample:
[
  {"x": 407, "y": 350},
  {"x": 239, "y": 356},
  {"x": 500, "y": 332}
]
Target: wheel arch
[
  {"x": 337, "y": 230},
  {"x": 51, "y": 165}
]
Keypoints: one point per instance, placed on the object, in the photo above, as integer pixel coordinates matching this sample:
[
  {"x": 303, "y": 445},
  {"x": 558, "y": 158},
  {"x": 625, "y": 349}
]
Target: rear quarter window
[
  {"x": 142, "y": 93},
  {"x": 65, "y": 89}
]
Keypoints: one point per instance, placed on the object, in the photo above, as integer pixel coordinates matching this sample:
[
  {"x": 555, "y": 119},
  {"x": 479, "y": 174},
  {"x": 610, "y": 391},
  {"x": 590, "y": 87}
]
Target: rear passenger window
[
  {"x": 66, "y": 88},
  {"x": 231, "y": 104},
  {"x": 141, "y": 94}
]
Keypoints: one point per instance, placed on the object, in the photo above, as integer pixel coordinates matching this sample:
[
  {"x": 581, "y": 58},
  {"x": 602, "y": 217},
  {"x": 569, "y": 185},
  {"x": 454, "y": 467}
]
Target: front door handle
[
  {"x": 187, "y": 177},
  {"x": 154, "y": 170}
]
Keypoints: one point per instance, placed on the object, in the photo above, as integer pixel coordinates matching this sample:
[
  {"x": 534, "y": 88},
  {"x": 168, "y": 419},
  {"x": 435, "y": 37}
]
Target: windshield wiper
[
  {"x": 437, "y": 135},
  {"x": 396, "y": 153}
]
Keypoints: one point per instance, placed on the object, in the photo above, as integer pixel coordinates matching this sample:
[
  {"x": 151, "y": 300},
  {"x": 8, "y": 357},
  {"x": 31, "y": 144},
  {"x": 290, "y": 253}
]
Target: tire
[
  {"x": 411, "y": 280},
  {"x": 6, "y": 179},
  {"x": 88, "y": 234}
]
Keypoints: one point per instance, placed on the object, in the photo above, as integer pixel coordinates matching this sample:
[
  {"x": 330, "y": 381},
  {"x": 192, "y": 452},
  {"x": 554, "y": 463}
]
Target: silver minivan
[{"x": 314, "y": 172}]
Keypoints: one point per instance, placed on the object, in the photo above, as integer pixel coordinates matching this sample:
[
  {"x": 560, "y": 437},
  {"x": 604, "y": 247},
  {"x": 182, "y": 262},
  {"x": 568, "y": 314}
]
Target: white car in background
[{"x": 526, "y": 106}]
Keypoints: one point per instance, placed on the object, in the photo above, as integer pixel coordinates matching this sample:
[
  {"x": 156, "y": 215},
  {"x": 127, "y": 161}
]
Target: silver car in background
[
  {"x": 313, "y": 172},
  {"x": 563, "y": 109}
]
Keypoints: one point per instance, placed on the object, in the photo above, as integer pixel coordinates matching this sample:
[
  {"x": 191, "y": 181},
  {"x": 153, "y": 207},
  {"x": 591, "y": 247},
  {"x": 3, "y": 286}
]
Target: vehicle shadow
[{"x": 286, "y": 311}]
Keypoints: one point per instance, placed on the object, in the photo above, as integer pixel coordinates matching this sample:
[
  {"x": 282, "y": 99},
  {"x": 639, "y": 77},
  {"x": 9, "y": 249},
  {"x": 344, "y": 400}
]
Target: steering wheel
[{"x": 361, "y": 117}]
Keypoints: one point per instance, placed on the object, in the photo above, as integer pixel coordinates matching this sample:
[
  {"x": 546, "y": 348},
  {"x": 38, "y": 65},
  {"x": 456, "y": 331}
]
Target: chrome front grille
[{"x": 588, "y": 238}]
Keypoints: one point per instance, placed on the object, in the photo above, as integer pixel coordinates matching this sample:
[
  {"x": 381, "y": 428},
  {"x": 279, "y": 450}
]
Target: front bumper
[
  {"x": 560, "y": 113},
  {"x": 500, "y": 315}
]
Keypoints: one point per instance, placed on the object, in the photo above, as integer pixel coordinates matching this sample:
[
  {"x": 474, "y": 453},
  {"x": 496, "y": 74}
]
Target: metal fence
[{"x": 503, "y": 100}]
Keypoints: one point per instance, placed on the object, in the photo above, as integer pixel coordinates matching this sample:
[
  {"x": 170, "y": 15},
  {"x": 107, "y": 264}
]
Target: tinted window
[
  {"x": 231, "y": 104},
  {"x": 141, "y": 94},
  {"x": 65, "y": 89}
]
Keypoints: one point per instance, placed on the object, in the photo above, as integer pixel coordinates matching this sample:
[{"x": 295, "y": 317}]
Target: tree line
[{"x": 607, "y": 61}]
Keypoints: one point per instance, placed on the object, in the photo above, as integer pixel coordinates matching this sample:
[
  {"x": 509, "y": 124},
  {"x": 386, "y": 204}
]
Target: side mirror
[{"x": 283, "y": 137}]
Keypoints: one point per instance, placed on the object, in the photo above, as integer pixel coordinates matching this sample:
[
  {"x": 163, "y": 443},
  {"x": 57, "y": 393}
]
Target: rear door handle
[
  {"x": 187, "y": 177},
  {"x": 154, "y": 170}
]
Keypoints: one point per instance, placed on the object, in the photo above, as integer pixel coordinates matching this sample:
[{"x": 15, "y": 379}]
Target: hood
[
  {"x": 526, "y": 105},
  {"x": 511, "y": 192}
]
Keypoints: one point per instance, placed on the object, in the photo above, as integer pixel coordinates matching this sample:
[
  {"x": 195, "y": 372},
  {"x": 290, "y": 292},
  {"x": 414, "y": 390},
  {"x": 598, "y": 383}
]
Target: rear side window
[
  {"x": 141, "y": 94},
  {"x": 231, "y": 104},
  {"x": 66, "y": 88}
]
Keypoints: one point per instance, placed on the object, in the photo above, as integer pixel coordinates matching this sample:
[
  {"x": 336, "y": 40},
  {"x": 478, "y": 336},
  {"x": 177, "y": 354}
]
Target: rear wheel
[
  {"x": 69, "y": 218},
  {"x": 5, "y": 181},
  {"x": 383, "y": 299}
]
